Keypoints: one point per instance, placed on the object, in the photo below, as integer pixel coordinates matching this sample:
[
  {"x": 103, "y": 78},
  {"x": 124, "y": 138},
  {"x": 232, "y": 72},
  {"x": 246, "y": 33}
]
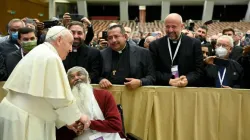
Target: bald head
[
  {"x": 173, "y": 26},
  {"x": 174, "y": 17},
  {"x": 148, "y": 40}
]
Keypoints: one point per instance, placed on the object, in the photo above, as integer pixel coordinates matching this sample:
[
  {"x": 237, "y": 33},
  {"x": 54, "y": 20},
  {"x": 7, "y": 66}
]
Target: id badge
[
  {"x": 175, "y": 72},
  {"x": 97, "y": 136}
]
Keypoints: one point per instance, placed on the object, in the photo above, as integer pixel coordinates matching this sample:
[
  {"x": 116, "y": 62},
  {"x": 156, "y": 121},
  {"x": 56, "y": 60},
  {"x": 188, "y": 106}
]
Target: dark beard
[{"x": 77, "y": 44}]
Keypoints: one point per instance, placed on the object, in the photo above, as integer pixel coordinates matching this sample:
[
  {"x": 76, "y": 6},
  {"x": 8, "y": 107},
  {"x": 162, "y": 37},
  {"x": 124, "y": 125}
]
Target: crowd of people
[{"x": 41, "y": 95}]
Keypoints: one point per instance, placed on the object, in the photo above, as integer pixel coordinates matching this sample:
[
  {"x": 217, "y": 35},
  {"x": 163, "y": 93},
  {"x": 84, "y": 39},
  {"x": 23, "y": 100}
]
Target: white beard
[
  {"x": 88, "y": 105},
  {"x": 86, "y": 101}
]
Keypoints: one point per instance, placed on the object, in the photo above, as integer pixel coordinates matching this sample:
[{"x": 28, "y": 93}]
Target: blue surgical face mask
[{"x": 14, "y": 36}]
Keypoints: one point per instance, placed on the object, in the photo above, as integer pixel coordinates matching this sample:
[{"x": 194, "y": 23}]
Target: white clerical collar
[
  {"x": 177, "y": 40},
  {"x": 238, "y": 44},
  {"x": 121, "y": 50},
  {"x": 174, "y": 41}
]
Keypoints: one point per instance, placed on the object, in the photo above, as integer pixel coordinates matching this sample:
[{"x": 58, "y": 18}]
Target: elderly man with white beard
[{"x": 100, "y": 107}]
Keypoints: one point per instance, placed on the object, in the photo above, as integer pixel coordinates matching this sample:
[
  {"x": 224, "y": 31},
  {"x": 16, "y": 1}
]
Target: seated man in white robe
[
  {"x": 100, "y": 107},
  {"x": 39, "y": 96}
]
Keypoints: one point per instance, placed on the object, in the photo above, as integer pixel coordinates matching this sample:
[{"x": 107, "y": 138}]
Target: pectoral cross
[{"x": 114, "y": 71}]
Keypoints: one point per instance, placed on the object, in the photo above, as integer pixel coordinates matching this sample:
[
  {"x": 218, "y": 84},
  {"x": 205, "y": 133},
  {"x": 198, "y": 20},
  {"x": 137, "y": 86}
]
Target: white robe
[{"x": 39, "y": 97}]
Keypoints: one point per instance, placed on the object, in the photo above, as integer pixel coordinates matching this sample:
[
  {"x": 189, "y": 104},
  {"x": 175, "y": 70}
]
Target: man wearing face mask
[
  {"x": 9, "y": 44},
  {"x": 222, "y": 72},
  {"x": 27, "y": 40}
]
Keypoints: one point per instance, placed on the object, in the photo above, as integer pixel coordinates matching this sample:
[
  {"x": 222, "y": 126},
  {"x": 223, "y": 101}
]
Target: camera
[
  {"x": 105, "y": 35},
  {"x": 49, "y": 24},
  {"x": 76, "y": 17}
]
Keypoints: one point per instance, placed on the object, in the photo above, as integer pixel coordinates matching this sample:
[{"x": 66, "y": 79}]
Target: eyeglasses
[{"x": 222, "y": 45}]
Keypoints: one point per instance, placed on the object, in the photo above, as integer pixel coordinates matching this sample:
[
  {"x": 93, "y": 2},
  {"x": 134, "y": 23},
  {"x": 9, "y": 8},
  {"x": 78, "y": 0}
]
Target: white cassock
[{"x": 39, "y": 97}]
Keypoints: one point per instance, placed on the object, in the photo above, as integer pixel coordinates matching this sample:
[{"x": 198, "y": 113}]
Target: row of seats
[{"x": 214, "y": 28}]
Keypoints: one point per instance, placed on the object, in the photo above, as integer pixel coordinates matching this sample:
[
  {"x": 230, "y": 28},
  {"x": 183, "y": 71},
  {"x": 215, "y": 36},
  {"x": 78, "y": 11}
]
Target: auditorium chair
[{"x": 129, "y": 136}]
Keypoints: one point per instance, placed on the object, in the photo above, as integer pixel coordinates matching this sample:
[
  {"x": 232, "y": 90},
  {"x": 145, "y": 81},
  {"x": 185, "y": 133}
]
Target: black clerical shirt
[
  {"x": 120, "y": 66},
  {"x": 173, "y": 46}
]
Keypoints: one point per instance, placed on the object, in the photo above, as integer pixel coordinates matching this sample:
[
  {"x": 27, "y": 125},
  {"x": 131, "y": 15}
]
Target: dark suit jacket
[
  {"x": 6, "y": 47},
  {"x": 236, "y": 53},
  {"x": 87, "y": 57},
  {"x": 244, "y": 61},
  {"x": 234, "y": 74},
  {"x": 190, "y": 61},
  {"x": 141, "y": 66},
  {"x": 11, "y": 60}
]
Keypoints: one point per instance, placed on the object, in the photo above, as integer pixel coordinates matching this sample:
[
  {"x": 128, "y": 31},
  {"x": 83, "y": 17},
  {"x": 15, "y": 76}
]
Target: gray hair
[
  {"x": 15, "y": 20},
  {"x": 82, "y": 71},
  {"x": 229, "y": 38}
]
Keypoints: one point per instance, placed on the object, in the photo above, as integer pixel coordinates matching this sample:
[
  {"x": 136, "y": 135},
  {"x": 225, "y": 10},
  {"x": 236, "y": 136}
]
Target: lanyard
[
  {"x": 176, "y": 51},
  {"x": 223, "y": 76}
]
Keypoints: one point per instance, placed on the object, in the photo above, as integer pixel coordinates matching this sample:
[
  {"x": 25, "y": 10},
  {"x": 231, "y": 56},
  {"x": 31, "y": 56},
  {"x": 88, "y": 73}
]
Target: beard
[
  {"x": 173, "y": 35},
  {"x": 77, "y": 44},
  {"x": 84, "y": 95}
]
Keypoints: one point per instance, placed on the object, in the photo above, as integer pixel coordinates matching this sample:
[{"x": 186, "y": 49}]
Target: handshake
[{"x": 80, "y": 125}]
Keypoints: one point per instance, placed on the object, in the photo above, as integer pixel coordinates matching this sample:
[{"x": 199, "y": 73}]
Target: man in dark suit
[
  {"x": 27, "y": 40},
  {"x": 124, "y": 62},
  {"x": 177, "y": 58},
  {"x": 82, "y": 55},
  {"x": 9, "y": 44},
  {"x": 224, "y": 72}
]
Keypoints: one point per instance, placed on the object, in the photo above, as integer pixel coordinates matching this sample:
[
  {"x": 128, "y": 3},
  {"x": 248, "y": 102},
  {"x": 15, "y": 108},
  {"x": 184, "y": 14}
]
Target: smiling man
[
  {"x": 82, "y": 55},
  {"x": 177, "y": 58},
  {"x": 125, "y": 63},
  {"x": 98, "y": 104}
]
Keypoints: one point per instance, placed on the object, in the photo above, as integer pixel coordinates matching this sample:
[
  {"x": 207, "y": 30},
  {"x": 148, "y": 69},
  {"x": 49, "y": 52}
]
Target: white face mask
[{"x": 221, "y": 52}]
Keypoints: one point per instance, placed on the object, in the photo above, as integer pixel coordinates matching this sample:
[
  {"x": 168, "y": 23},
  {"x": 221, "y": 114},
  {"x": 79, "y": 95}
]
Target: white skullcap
[
  {"x": 54, "y": 31},
  {"x": 112, "y": 24}
]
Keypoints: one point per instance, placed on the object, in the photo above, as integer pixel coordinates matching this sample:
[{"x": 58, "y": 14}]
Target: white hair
[
  {"x": 229, "y": 38},
  {"x": 82, "y": 71},
  {"x": 56, "y": 31}
]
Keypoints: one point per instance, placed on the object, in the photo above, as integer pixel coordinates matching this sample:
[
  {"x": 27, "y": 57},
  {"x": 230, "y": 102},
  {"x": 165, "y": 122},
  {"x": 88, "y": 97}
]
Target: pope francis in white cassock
[{"x": 39, "y": 95}]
